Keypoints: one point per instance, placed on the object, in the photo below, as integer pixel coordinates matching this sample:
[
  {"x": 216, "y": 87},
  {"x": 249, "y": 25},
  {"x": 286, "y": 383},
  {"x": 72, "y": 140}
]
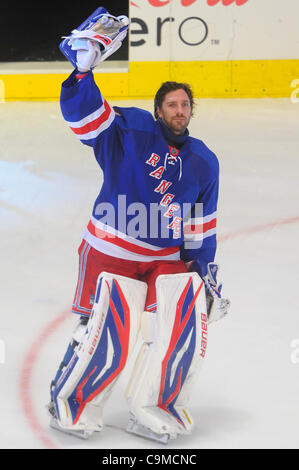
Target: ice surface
[{"x": 247, "y": 394}]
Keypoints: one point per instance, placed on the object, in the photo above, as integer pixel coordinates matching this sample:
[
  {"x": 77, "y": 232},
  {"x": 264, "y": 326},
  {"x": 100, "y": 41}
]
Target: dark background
[{"x": 31, "y": 31}]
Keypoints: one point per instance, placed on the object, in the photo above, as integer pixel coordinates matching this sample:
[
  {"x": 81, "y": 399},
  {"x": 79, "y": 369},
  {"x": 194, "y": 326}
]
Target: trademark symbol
[{"x": 215, "y": 42}]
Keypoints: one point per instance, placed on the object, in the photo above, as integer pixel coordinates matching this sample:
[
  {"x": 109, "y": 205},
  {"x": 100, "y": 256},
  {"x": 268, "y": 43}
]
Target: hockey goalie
[{"x": 155, "y": 280}]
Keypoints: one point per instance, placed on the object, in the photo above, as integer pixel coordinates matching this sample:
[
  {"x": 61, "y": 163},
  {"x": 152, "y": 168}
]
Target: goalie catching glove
[{"x": 95, "y": 39}]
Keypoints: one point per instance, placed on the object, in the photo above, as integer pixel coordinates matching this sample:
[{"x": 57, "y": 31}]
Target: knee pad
[
  {"x": 175, "y": 340},
  {"x": 95, "y": 359}
]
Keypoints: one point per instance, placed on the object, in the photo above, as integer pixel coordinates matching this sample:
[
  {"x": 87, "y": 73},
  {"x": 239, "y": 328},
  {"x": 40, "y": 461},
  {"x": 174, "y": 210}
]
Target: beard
[{"x": 177, "y": 125}]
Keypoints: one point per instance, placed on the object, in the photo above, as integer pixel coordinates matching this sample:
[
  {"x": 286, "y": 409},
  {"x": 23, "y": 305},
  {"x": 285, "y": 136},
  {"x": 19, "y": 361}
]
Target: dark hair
[{"x": 165, "y": 88}]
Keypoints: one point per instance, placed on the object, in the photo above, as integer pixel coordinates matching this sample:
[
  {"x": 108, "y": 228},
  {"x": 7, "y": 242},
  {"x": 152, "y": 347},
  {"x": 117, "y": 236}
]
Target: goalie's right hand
[{"x": 88, "y": 54}]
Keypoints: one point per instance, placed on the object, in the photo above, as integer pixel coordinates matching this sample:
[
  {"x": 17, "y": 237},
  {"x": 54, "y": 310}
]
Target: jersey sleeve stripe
[
  {"x": 194, "y": 229},
  {"x": 98, "y": 122},
  {"x": 89, "y": 117},
  {"x": 89, "y": 123},
  {"x": 201, "y": 220},
  {"x": 199, "y": 237}
]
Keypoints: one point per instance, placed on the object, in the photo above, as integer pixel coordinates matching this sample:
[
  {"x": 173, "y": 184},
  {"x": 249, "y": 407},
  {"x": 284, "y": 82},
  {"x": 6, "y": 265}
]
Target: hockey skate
[
  {"x": 54, "y": 424},
  {"x": 134, "y": 427}
]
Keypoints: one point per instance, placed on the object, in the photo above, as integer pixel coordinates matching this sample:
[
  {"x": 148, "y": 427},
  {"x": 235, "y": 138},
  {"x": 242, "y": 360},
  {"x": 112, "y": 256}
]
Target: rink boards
[
  {"x": 222, "y": 48},
  {"x": 209, "y": 79}
]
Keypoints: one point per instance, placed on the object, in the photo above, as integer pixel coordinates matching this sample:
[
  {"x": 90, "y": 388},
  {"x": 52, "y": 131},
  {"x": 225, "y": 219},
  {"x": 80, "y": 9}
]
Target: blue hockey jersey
[{"x": 156, "y": 202}]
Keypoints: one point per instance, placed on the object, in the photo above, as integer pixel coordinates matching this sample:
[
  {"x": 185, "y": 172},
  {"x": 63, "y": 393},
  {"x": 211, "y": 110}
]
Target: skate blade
[
  {"x": 134, "y": 427},
  {"x": 80, "y": 433}
]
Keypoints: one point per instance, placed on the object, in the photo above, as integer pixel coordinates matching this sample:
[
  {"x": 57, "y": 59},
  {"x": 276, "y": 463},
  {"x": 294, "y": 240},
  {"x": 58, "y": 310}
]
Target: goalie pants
[{"x": 92, "y": 263}]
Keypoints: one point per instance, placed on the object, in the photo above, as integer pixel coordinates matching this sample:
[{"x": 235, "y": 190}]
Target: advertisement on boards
[{"x": 190, "y": 30}]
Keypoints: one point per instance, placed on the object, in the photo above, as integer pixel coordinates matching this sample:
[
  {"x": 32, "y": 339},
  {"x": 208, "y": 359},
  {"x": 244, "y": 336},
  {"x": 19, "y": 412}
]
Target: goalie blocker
[{"x": 174, "y": 345}]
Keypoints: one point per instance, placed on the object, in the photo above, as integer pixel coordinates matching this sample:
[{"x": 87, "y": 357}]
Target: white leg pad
[
  {"x": 175, "y": 341},
  {"x": 148, "y": 325},
  {"x": 102, "y": 353}
]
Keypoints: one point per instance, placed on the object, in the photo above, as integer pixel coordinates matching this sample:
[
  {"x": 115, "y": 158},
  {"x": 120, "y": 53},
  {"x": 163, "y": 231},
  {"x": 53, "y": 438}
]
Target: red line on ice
[
  {"x": 257, "y": 228},
  {"x": 25, "y": 383},
  {"x": 32, "y": 355}
]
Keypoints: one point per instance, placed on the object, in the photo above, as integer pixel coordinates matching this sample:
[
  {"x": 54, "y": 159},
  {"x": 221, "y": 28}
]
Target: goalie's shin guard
[
  {"x": 175, "y": 340},
  {"x": 92, "y": 365}
]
